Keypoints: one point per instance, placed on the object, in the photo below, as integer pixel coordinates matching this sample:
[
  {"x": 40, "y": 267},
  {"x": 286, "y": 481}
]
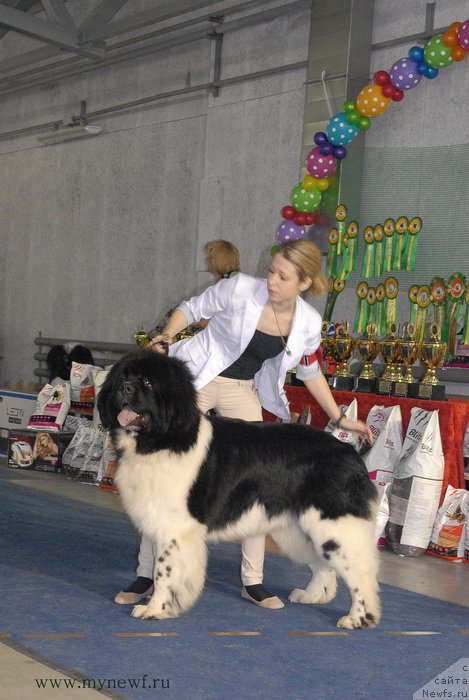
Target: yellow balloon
[
  {"x": 309, "y": 183},
  {"x": 371, "y": 101},
  {"x": 323, "y": 183}
]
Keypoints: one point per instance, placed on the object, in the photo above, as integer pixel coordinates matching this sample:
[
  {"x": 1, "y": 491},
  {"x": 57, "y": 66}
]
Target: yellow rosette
[
  {"x": 413, "y": 291},
  {"x": 402, "y": 224},
  {"x": 389, "y": 227},
  {"x": 456, "y": 290},
  {"x": 391, "y": 287},
  {"x": 351, "y": 236},
  {"x": 340, "y": 216},
  {"x": 368, "y": 258},
  {"x": 413, "y": 230},
  {"x": 361, "y": 317},
  {"x": 380, "y": 315},
  {"x": 331, "y": 263},
  {"x": 379, "y": 236},
  {"x": 336, "y": 285},
  {"x": 424, "y": 299},
  {"x": 438, "y": 292},
  {"x": 465, "y": 332}
]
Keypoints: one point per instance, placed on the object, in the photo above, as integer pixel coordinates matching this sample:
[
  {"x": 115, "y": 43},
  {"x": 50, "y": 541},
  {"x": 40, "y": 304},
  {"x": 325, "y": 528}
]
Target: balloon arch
[{"x": 388, "y": 86}]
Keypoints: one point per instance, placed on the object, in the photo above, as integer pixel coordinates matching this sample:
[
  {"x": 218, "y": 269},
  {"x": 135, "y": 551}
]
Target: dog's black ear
[{"x": 107, "y": 411}]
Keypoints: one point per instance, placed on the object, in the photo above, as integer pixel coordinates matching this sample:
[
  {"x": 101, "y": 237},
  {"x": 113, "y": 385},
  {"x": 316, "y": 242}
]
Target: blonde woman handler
[{"x": 258, "y": 330}]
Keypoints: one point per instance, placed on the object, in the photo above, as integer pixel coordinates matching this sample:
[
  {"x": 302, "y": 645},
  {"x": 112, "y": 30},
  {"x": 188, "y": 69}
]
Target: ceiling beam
[
  {"x": 57, "y": 12},
  {"x": 166, "y": 10},
  {"x": 24, "y": 6},
  {"x": 47, "y": 32},
  {"x": 102, "y": 14}
]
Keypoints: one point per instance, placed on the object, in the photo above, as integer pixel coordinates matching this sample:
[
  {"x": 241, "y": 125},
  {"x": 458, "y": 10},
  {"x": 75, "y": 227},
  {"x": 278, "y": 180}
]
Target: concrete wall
[{"x": 99, "y": 236}]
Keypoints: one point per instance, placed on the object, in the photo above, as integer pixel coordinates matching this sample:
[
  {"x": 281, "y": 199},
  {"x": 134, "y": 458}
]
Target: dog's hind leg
[
  {"x": 179, "y": 577},
  {"x": 347, "y": 544},
  {"x": 298, "y": 547}
]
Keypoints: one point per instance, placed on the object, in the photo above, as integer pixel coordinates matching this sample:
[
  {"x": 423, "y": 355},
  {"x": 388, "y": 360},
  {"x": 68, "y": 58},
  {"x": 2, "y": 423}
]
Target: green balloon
[
  {"x": 305, "y": 201},
  {"x": 437, "y": 54},
  {"x": 353, "y": 117},
  {"x": 364, "y": 123},
  {"x": 350, "y": 106}
]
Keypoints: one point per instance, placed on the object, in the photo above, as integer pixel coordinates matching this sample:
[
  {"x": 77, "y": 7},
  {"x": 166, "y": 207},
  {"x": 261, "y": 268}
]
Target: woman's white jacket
[{"x": 234, "y": 307}]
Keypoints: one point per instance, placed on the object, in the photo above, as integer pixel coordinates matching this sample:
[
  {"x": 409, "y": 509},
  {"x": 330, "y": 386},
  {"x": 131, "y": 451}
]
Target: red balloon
[
  {"x": 388, "y": 90},
  {"x": 300, "y": 219},
  {"x": 381, "y": 77},
  {"x": 397, "y": 95},
  {"x": 309, "y": 219},
  {"x": 288, "y": 212}
]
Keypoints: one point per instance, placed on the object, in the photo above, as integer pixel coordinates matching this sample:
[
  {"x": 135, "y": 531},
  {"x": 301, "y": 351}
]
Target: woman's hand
[
  {"x": 160, "y": 343},
  {"x": 357, "y": 426}
]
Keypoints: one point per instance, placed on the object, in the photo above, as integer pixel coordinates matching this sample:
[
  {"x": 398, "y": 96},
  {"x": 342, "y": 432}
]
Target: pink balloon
[
  {"x": 318, "y": 165},
  {"x": 463, "y": 35}
]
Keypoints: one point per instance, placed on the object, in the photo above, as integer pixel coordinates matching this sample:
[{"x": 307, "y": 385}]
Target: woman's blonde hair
[
  {"x": 222, "y": 257},
  {"x": 306, "y": 257}
]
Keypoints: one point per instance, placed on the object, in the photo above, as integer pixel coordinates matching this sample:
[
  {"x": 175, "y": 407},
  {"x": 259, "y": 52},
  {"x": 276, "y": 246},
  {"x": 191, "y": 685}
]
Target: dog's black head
[{"x": 153, "y": 396}]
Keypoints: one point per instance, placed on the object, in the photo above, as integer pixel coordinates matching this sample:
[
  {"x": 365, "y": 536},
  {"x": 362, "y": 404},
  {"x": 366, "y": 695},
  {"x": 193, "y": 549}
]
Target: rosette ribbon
[
  {"x": 361, "y": 317},
  {"x": 368, "y": 258},
  {"x": 391, "y": 288},
  {"x": 415, "y": 226},
  {"x": 456, "y": 290},
  {"x": 378, "y": 236},
  {"x": 389, "y": 227},
  {"x": 438, "y": 292},
  {"x": 424, "y": 299},
  {"x": 399, "y": 245}
]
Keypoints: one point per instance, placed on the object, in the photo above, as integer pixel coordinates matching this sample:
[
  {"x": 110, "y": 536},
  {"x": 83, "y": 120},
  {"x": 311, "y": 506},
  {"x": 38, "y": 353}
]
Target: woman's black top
[{"x": 262, "y": 347}]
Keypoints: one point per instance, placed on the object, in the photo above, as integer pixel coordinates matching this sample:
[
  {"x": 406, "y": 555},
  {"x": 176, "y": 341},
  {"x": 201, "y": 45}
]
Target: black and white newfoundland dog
[{"x": 186, "y": 478}]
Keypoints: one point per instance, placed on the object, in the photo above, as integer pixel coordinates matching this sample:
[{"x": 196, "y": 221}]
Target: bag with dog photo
[
  {"x": 349, "y": 437},
  {"x": 416, "y": 486},
  {"x": 52, "y": 406},
  {"x": 448, "y": 535},
  {"x": 82, "y": 387}
]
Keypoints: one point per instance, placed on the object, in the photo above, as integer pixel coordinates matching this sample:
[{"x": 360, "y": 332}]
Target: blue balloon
[
  {"x": 416, "y": 54},
  {"x": 431, "y": 72},
  {"x": 339, "y": 131}
]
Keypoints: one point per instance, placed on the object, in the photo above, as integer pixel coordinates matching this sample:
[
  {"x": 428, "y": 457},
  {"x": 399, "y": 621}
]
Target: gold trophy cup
[
  {"x": 343, "y": 347},
  {"x": 432, "y": 355},
  {"x": 368, "y": 349},
  {"x": 391, "y": 352},
  {"x": 142, "y": 338},
  {"x": 409, "y": 352}
]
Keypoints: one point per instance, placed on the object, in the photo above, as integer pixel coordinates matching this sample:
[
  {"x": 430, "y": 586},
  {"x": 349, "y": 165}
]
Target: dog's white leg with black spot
[
  {"x": 179, "y": 578},
  {"x": 348, "y": 546}
]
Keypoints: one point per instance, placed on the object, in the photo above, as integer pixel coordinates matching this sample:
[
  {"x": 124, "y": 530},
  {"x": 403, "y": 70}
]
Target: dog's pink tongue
[{"x": 127, "y": 417}]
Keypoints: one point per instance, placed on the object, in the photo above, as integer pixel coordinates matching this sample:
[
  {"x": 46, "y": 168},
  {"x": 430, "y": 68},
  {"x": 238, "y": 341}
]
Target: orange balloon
[
  {"x": 454, "y": 26},
  {"x": 450, "y": 38},
  {"x": 371, "y": 101},
  {"x": 458, "y": 53}
]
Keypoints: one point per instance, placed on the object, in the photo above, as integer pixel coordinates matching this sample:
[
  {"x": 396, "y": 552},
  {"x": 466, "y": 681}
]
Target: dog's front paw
[
  {"x": 349, "y": 622},
  {"x": 149, "y": 612}
]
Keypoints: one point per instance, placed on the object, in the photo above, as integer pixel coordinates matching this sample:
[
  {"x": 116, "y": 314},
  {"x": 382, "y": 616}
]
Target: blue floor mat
[{"x": 62, "y": 561}]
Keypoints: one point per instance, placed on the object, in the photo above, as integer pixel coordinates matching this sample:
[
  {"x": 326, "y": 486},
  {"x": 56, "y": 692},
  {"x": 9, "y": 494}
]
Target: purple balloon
[
  {"x": 463, "y": 35},
  {"x": 340, "y": 152},
  {"x": 320, "y": 138},
  {"x": 404, "y": 74},
  {"x": 325, "y": 149},
  {"x": 289, "y": 231}
]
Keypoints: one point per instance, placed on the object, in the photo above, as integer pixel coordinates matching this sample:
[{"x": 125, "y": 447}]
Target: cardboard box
[
  {"x": 16, "y": 409},
  {"x": 37, "y": 449}
]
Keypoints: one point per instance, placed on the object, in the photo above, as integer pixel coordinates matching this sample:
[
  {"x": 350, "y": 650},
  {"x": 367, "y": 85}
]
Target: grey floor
[{"x": 425, "y": 575}]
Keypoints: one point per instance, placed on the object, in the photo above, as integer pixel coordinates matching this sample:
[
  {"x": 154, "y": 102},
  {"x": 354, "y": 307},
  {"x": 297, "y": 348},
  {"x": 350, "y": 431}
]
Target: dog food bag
[
  {"x": 82, "y": 386},
  {"x": 78, "y": 448},
  {"x": 448, "y": 535},
  {"x": 416, "y": 486},
  {"x": 52, "y": 406},
  {"x": 89, "y": 470},
  {"x": 386, "y": 427},
  {"x": 351, "y": 412}
]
